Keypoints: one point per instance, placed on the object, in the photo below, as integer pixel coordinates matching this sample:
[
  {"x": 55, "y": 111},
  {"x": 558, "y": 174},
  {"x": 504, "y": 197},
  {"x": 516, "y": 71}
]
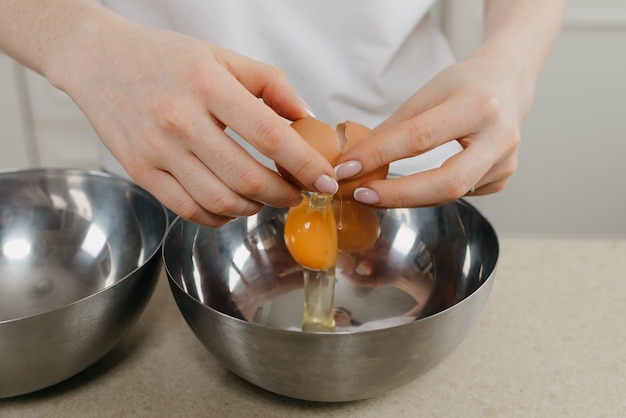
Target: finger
[
  {"x": 208, "y": 190},
  {"x": 489, "y": 188},
  {"x": 454, "y": 179},
  {"x": 424, "y": 99},
  {"x": 432, "y": 94},
  {"x": 198, "y": 181},
  {"x": 168, "y": 190},
  {"x": 238, "y": 170},
  {"x": 266, "y": 82},
  {"x": 424, "y": 132},
  {"x": 498, "y": 176},
  {"x": 270, "y": 135}
]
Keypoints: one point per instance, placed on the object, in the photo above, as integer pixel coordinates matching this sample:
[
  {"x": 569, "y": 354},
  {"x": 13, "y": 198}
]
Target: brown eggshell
[
  {"x": 354, "y": 133},
  {"x": 321, "y": 136},
  {"x": 331, "y": 144}
]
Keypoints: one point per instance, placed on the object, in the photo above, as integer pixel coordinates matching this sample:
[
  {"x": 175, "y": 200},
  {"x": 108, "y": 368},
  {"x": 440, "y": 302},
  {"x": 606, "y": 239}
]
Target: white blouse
[{"x": 349, "y": 60}]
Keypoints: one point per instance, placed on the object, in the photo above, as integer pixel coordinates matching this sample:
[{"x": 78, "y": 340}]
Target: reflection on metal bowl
[
  {"x": 402, "y": 306},
  {"x": 79, "y": 258}
]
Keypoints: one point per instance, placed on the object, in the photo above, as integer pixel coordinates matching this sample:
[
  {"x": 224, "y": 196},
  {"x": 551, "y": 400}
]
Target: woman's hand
[
  {"x": 480, "y": 102},
  {"x": 474, "y": 102},
  {"x": 160, "y": 102}
]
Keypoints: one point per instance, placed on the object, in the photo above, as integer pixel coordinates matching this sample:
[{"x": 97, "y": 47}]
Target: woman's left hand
[
  {"x": 475, "y": 102},
  {"x": 480, "y": 102}
]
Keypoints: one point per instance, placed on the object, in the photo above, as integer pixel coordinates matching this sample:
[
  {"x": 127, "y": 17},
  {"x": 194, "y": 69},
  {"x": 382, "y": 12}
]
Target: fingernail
[
  {"x": 365, "y": 195},
  {"x": 326, "y": 184},
  {"x": 348, "y": 169},
  {"x": 307, "y": 108}
]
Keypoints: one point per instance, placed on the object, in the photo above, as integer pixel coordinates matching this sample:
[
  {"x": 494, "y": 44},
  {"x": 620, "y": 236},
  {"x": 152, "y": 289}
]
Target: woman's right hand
[{"x": 160, "y": 102}]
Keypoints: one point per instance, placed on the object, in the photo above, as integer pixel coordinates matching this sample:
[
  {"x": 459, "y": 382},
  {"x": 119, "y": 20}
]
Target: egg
[
  {"x": 331, "y": 143},
  {"x": 358, "y": 227},
  {"x": 311, "y": 233},
  {"x": 314, "y": 232},
  {"x": 322, "y": 225},
  {"x": 349, "y": 134}
]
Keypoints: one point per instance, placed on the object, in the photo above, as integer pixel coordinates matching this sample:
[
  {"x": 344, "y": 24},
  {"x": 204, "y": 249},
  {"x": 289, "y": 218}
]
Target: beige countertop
[{"x": 550, "y": 343}]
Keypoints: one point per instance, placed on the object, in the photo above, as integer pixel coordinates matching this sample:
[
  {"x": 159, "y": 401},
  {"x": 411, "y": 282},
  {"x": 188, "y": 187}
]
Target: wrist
[
  {"x": 83, "y": 26},
  {"x": 519, "y": 35},
  {"x": 513, "y": 69}
]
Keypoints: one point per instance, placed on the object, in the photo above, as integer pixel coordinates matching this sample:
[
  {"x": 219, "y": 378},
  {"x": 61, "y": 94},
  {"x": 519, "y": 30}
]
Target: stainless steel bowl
[
  {"x": 79, "y": 259},
  {"x": 412, "y": 297}
]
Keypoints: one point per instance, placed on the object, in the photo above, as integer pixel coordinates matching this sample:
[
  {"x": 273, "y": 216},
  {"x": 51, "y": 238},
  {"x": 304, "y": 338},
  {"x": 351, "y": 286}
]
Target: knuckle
[
  {"x": 455, "y": 189},
  {"x": 499, "y": 186},
  {"x": 512, "y": 137},
  {"x": 398, "y": 195},
  {"x": 419, "y": 138},
  {"x": 277, "y": 74},
  {"x": 187, "y": 209},
  {"x": 250, "y": 184},
  {"x": 488, "y": 105},
  {"x": 175, "y": 118},
  {"x": 270, "y": 136},
  {"x": 401, "y": 200},
  {"x": 377, "y": 158},
  {"x": 300, "y": 170},
  {"x": 133, "y": 167},
  {"x": 223, "y": 205},
  {"x": 510, "y": 166},
  {"x": 136, "y": 167}
]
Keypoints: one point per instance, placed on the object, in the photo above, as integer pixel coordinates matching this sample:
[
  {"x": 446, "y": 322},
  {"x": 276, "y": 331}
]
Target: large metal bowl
[
  {"x": 79, "y": 259},
  {"x": 413, "y": 297}
]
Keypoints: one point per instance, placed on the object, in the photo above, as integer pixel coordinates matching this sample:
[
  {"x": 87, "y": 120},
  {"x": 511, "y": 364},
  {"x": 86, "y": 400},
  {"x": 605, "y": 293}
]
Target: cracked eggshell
[
  {"x": 353, "y": 133},
  {"x": 331, "y": 143}
]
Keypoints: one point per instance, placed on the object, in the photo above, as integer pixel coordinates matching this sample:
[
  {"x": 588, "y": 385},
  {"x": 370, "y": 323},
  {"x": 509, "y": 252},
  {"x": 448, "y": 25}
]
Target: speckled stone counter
[{"x": 550, "y": 343}]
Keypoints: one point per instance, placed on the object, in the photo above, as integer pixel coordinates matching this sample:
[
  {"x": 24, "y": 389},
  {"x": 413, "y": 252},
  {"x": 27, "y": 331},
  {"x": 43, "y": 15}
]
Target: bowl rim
[
  {"x": 105, "y": 175},
  {"x": 486, "y": 282}
]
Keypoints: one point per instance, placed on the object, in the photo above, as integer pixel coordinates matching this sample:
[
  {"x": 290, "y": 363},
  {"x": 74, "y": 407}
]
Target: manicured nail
[
  {"x": 307, "y": 108},
  {"x": 365, "y": 195},
  {"x": 326, "y": 184},
  {"x": 348, "y": 169}
]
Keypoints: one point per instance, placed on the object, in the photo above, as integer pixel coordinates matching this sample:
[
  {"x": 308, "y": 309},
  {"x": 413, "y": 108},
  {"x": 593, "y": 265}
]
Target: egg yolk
[
  {"x": 311, "y": 232},
  {"x": 358, "y": 227}
]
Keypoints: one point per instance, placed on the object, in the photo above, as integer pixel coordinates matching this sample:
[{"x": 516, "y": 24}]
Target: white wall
[
  {"x": 62, "y": 134},
  {"x": 572, "y": 175},
  {"x": 14, "y": 150},
  {"x": 41, "y": 126}
]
